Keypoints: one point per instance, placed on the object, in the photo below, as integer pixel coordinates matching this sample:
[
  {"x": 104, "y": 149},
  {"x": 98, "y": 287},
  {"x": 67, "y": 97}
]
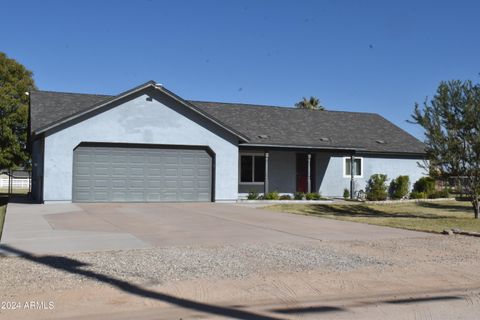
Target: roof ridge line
[
  {"x": 149, "y": 82},
  {"x": 245, "y": 104},
  {"x": 279, "y": 107}
]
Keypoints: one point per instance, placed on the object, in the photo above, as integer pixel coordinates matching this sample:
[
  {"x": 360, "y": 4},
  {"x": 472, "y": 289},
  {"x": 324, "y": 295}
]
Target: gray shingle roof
[
  {"x": 47, "y": 107},
  {"x": 326, "y": 129},
  {"x": 263, "y": 125}
]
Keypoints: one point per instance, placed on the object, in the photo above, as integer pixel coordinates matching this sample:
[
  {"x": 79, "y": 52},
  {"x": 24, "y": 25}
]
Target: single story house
[{"x": 149, "y": 145}]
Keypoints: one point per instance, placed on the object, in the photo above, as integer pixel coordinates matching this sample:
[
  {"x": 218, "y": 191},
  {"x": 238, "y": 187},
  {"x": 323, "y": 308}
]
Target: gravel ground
[
  {"x": 160, "y": 265},
  {"x": 361, "y": 278},
  {"x": 440, "y": 249}
]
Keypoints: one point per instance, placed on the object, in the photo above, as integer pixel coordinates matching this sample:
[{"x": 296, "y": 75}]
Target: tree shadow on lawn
[
  {"x": 446, "y": 207},
  {"x": 363, "y": 211}
]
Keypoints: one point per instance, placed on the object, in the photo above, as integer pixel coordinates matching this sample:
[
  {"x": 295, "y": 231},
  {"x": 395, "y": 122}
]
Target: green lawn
[
  {"x": 423, "y": 216},
  {"x": 3, "y": 210}
]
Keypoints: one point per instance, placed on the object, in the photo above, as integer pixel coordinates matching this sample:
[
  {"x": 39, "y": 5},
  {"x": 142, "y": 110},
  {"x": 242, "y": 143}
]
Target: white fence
[{"x": 16, "y": 183}]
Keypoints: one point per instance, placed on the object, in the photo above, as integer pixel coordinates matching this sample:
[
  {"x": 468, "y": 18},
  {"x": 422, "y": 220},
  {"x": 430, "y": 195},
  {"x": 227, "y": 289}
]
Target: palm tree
[{"x": 311, "y": 104}]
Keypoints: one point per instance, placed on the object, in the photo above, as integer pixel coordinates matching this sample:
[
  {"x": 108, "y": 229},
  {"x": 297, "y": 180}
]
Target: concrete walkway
[{"x": 61, "y": 228}]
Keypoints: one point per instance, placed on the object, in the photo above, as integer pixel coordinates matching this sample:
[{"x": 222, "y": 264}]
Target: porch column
[
  {"x": 266, "y": 173},
  {"x": 352, "y": 176},
  {"x": 309, "y": 171}
]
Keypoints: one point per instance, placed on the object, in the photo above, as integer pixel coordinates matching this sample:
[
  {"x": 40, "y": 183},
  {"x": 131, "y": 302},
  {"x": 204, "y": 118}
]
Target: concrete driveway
[{"x": 61, "y": 228}]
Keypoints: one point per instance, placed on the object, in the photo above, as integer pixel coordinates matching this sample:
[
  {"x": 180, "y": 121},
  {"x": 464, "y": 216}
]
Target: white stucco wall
[
  {"x": 331, "y": 181},
  {"x": 140, "y": 121},
  {"x": 283, "y": 171}
]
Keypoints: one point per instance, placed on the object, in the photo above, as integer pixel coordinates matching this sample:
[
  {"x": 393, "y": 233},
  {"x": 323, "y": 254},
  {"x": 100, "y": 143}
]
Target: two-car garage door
[{"x": 139, "y": 174}]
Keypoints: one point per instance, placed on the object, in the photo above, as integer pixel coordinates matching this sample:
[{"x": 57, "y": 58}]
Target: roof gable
[{"x": 49, "y": 111}]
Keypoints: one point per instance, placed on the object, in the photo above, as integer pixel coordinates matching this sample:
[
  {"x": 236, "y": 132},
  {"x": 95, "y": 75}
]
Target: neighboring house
[{"x": 150, "y": 145}]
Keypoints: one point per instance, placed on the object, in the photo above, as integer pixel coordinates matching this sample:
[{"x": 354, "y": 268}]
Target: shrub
[
  {"x": 439, "y": 194},
  {"x": 445, "y": 193},
  {"x": 299, "y": 195},
  {"x": 346, "y": 193},
  {"x": 271, "y": 196},
  {"x": 285, "y": 197},
  {"x": 313, "y": 196},
  {"x": 377, "y": 187},
  {"x": 399, "y": 187},
  {"x": 425, "y": 184},
  {"x": 252, "y": 195},
  {"x": 418, "y": 195}
]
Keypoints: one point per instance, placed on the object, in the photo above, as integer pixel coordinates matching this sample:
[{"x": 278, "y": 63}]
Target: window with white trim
[
  {"x": 252, "y": 169},
  {"x": 357, "y": 167}
]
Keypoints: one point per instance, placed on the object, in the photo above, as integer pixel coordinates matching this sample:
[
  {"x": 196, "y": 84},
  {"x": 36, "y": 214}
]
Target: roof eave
[
  {"x": 405, "y": 153},
  {"x": 331, "y": 148},
  {"x": 295, "y": 146}
]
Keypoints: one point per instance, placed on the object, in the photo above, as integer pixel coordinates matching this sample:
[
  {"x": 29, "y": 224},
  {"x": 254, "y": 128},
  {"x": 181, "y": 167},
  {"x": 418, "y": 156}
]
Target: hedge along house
[{"x": 150, "y": 145}]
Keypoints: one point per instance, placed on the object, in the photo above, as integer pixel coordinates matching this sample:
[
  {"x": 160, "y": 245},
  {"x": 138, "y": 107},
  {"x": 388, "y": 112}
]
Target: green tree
[
  {"x": 311, "y": 104},
  {"x": 15, "y": 81},
  {"x": 377, "y": 187},
  {"x": 425, "y": 184},
  {"x": 399, "y": 187},
  {"x": 452, "y": 134}
]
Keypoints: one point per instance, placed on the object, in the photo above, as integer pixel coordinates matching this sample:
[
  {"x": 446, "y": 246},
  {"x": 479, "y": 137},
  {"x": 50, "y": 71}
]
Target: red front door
[{"x": 302, "y": 172}]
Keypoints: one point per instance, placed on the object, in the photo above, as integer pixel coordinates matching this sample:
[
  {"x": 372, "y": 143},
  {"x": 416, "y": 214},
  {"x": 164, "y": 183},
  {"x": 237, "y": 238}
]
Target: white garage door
[{"x": 137, "y": 174}]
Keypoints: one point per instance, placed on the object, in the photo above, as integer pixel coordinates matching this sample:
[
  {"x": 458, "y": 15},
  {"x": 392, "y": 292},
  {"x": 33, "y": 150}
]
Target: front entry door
[{"x": 302, "y": 172}]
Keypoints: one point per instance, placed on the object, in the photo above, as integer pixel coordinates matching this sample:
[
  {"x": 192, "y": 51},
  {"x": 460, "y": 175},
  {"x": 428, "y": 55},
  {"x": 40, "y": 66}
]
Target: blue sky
[{"x": 368, "y": 56}]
